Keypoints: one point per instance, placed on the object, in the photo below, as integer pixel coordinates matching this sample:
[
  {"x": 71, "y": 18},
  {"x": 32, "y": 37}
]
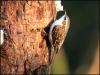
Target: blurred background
[{"x": 80, "y": 51}]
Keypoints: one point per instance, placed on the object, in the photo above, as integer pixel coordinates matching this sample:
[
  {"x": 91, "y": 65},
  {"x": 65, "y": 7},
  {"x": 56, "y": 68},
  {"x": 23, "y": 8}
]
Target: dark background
[{"x": 82, "y": 37}]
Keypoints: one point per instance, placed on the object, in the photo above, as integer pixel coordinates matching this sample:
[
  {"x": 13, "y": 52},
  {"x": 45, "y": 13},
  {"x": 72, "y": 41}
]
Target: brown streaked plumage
[{"x": 58, "y": 36}]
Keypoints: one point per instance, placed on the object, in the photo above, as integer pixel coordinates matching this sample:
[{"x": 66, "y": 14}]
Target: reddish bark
[{"x": 24, "y": 49}]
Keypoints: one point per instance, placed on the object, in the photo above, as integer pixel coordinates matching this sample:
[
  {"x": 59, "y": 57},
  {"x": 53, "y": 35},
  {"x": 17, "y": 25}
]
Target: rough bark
[{"x": 25, "y": 47}]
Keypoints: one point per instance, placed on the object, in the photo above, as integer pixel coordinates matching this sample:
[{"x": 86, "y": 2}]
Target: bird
[{"x": 57, "y": 33}]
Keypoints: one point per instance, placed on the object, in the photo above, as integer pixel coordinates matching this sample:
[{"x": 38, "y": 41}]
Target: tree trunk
[{"x": 25, "y": 46}]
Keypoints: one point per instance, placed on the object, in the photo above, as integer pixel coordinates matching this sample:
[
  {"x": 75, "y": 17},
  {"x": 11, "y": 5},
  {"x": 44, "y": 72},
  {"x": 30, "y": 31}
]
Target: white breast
[
  {"x": 1, "y": 36},
  {"x": 56, "y": 23}
]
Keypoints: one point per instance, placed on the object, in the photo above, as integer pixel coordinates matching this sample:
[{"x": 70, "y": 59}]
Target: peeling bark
[{"x": 25, "y": 48}]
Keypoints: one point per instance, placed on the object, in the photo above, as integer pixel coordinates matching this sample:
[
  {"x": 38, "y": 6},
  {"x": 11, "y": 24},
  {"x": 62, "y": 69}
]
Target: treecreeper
[{"x": 31, "y": 34}]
